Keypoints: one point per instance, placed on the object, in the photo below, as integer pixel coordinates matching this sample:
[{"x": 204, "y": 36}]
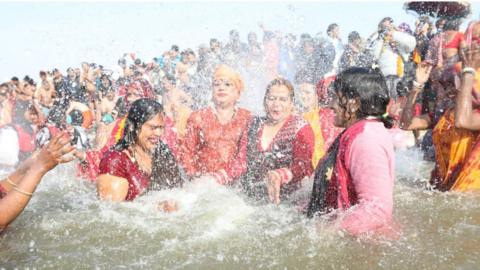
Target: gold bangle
[
  {"x": 22, "y": 192},
  {"x": 10, "y": 182}
]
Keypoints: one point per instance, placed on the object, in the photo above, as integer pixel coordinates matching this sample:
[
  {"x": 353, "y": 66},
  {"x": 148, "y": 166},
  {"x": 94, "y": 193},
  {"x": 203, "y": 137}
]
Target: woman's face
[
  {"x": 309, "y": 96},
  {"x": 150, "y": 133},
  {"x": 278, "y": 103},
  {"x": 224, "y": 92}
]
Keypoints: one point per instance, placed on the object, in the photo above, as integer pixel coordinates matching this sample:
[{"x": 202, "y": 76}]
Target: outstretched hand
[{"x": 57, "y": 151}]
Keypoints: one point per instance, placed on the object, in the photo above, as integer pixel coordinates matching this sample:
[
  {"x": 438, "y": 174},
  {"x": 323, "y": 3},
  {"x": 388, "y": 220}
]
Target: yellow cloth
[
  {"x": 313, "y": 118},
  {"x": 223, "y": 71},
  {"x": 457, "y": 165}
]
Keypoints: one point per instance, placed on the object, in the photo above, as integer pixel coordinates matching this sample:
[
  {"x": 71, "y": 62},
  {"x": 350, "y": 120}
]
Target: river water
[{"x": 66, "y": 227}]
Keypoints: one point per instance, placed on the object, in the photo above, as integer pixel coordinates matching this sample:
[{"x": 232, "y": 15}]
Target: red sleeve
[
  {"x": 190, "y": 145},
  {"x": 113, "y": 163},
  {"x": 238, "y": 165},
  {"x": 302, "y": 153}
]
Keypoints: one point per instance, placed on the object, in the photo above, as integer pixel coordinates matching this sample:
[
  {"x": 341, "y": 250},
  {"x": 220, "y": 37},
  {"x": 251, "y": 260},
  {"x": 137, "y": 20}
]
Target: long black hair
[
  {"x": 165, "y": 171},
  {"x": 369, "y": 87}
]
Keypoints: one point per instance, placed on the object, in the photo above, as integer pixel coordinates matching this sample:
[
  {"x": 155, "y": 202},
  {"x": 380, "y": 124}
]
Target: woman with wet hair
[
  {"x": 357, "y": 174},
  {"x": 276, "y": 150},
  {"x": 140, "y": 161}
]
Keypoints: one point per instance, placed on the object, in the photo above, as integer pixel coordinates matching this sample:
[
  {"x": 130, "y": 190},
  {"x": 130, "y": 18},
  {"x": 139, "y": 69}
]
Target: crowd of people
[{"x": 329, "y": 108}]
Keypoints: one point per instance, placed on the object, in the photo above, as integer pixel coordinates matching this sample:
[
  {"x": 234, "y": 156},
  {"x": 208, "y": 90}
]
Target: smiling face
[
  {"x": 224, "y": 92},
  {"x": 278, "y": 103},
  {"x": 151, "y": 132}
]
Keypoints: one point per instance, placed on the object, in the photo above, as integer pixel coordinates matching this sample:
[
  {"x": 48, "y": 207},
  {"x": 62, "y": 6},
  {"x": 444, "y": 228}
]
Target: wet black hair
[
  {"x": 175, "y": 48},
  {"x": 15, "y": 79},
  {"x": 140, "y": 112},
  {"x": 369, "y": 87}
]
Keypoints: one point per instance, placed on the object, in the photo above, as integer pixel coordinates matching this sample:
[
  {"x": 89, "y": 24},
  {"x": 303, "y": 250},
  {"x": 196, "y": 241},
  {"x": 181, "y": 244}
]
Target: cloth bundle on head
[{"x": 223, "y": 71}]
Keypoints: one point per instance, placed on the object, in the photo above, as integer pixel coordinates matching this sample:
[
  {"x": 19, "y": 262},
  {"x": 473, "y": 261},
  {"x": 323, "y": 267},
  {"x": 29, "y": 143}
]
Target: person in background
[
  {"x": 311, "y": 113},
  {"x": 333, "y": 32}
]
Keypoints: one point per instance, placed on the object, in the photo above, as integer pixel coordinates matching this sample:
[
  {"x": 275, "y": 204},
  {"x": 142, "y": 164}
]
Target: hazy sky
[{"x": 40, "y": 35}]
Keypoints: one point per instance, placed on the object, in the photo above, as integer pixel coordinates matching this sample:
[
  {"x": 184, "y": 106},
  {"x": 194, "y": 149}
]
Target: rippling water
[{"x": 65, "y": 226}]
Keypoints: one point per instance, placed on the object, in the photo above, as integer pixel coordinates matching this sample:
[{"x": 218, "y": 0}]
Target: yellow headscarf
[{"x": 223, "y": 71}]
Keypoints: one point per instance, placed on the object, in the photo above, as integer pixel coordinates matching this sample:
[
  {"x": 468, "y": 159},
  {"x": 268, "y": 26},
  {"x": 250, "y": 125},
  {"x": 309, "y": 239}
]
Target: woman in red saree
[
  {"x": 213, "y": 134},
  {"x": 139, "y": 161},
  {"x": 276, "y": 150}
]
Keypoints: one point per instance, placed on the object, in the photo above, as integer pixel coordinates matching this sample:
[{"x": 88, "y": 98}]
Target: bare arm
[
  {"x": 23, "y": 182},
  {"x": 110, "y": 187},
  {"x": 465, "y": 116},
  {"x": 407, "y": 120}
]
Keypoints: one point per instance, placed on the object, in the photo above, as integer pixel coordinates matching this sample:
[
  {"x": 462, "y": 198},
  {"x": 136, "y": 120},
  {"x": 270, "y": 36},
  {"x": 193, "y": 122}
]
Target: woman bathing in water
[
  {"x": 357, "y": 173},
  {"x": 140, "y": 161},
  {"x": 275, "y": 151}
]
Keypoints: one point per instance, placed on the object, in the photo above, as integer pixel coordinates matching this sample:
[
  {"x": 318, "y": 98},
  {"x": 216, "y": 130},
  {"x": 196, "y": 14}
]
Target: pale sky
[{"x": 37, "y": 35}]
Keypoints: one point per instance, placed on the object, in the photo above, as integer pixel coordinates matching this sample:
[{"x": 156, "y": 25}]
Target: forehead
[
  {"x": 279, "y": 90},
  {"x": 157, "y": 120}
]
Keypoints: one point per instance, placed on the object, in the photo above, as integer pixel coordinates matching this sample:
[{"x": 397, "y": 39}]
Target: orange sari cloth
[{"x": 457, "y": 156}]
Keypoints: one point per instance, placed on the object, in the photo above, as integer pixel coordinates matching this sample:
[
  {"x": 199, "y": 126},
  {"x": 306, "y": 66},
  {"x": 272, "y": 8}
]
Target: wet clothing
[
  {"x": 453, "y": 148},
  {"x": 118, "y": 163},
  {"x": 289, "y": 154},
  {"x": 208, "y": 145},
  {"x": 357, "y": 174},
  {"x": 329, "y": 130},
  {"x": 89, "y": 168}
]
